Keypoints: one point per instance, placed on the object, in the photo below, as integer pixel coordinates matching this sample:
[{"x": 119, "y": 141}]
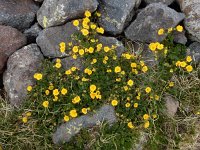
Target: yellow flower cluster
[
  {"x": 94, "y": 93},
  {"x": 183, "y": 64},
  {"x": 38, "y": 76},
  {"x": 25, "y": 118},
  {"x": 62, "y": 47},
  {"x": 156, "y": 46}
]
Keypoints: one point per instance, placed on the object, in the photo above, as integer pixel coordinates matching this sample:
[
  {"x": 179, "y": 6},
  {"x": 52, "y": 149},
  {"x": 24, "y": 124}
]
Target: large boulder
[
  {"x": 49, "y": 40},
  {"x": 66, "y": 131},
  {"x": 116, "y": 14},
  {"x": 21, "y": 67},
  {"x": 167, "y": 2},
  {"x": 191, "y": 8},
  {"x": 17, "y": 13},
  {"x": 11, "y": 40},
  {"x": 194, "y": 51},
  {"x": 150, "y": 20},
  {"x": 58, "y": 12}
]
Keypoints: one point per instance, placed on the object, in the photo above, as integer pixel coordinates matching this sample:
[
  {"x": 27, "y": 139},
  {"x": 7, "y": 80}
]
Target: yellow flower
[
  {"x": 106, "y": 49},
  {"x": 73, "y": 68},
  {"x": 183, "y": 64},
  {"x": 85, "y": 32},
  {"x": 29, "y": 88},
  {"x": 171, "y": 84},
  {"x": 130, "y": 82},
  {"x": 74, "y": 56},
  {"x": 55, "y": 92},
  {"x": 58, "y": 60},
  {"x": 51, "y": 87},
  {"x": 135, "y": 105},
  {"x": 128, "y": 105},
  {"x": 127, "y": 56},
  {"x": 81, "y": 52},
  {"x": 84, "y": 110},
  {"x": 117, "y": 69},
  {"x": 93, "y": 88},
  {"x": 28, "y": 114},
  {"x": 146, "y": 124},
  {"x": 189, "y": 68},
  {"x": 58, "y": 65},
  {"x": 130, "y": 125},
  {"x": 179, "y": 28},
  {"x": 68, "y": 72},
  {"x": 108, "y": 70},
  {"x": 64, "y": 91},
  {"x": 99, "y": 46},
  {"x": 66, "y": 118},
  {"x": 93, "y": 26},
  {"x": 152, "y": 46},
  {"x": 55, "y": 99},
  {"x": 85, "y": 25},
  {"x": 38, "y": 76},
  {"x": 76, "y": 99},
  {"x": 62, "y": 49},
  {"x": 170, "y": 30},
  {"x": 93, "y": 95},
  {"x": 145, "y": 116},
  {"x": 87, "y": 13},
  {"x": 98, "y": 14},
  {"x": 45, "y": 104},
  {"x": 118, "y": 79},
  {"x": 178, "y": 63},
  {"x": 160, "y": 46},
  {"x": 91, "y": 50},
  {"x": 24, "y": 119},
  {"x": 148, "y": 89},
  {"x": 157, "y": 97},
  {"x": 75, "y": 49},
  {"x": 114, "y": 102},
  {"x": 75, "y": 23},
  {"x": 100, "y": 30},
  {"x": 86, "y": 20},
  {"x": 94, "y": 61},
  {"x": 126, "y": 88},
  {"x": 73, "y": 113},
  {"x": 84, "y": 79},
  {"x": 88, "y": 71},
  {"x": 188, "y": 58},
  {"x": 154, "y": 116},
  {"x": 62, "y": 44},
  {"x": 144, "y": 69},
  {"x": 161, "y": 31},
  {"x": 133, "y": 65}
]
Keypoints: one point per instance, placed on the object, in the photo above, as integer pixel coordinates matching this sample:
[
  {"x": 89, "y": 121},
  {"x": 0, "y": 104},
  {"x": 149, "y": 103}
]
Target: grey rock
[
  {"x": 150, "y": 20},
  {"x": 191, "y": 8},
  {"x": 32, "y": 32},
  {"x": 21, "y": 67},
  {"x": 194, "y": 51},
  {"x": 167, "y": 2},
  {"x": 11, "y": 40},
  {"x": 171, "y": 105},
  {"x": 142, "y": 140},
  {"x": 49, "y": 39},
  {"x": 179, "y": 37},
  {"x": 17, "y": 13},
  {"x": 66, "y": 131},
  {"x": 58, "y": 12},
  {"x": 109, "y": 41},
  {"x": 116, "y": 14},
  {"x": 39, "y": 1}
]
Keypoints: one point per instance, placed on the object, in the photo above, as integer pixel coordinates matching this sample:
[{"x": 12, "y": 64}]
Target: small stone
[
  {"x": 167, "y": 2},
  {"x": 191, "y": 8},
  {"x": 21, "y": 67},
  {"x": 179, "y": 37},
  {"x": 116, "y": 14},
  {"x": 171, "y": 105},
  {"x": 17, "y": 13},
  {"x": 150, "y": 20},
  {"x": 11, "y": 40},
  {"x": 32, "y": 33},
  {"x": 194, "y": 51},
  {"x": 58, "y": 12},
  {"x": 66, "y": 131}
]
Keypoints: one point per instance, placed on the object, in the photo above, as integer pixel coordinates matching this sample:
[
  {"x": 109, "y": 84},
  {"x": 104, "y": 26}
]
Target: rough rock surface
[
  {"x": 179, "y": 37},
  {"x": 171, "y": 105},
  {"x": 11, "y": 40},
  {"x": 150, "y": 20},
  {"x": 17, "y": 13},
  {"x": 67, "y": 130},
  {"x": 167, "y": 2},
  {"x": 32, "y": 32},
  {"x": 20, "y": 70},
  {"x": 57, "y": 12},
  {"x": 191, "y": 8},
  {"x": 116, "y": 14},
  {"x": 194, "y": 51},
  {"x": 49, "y": 40}
]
